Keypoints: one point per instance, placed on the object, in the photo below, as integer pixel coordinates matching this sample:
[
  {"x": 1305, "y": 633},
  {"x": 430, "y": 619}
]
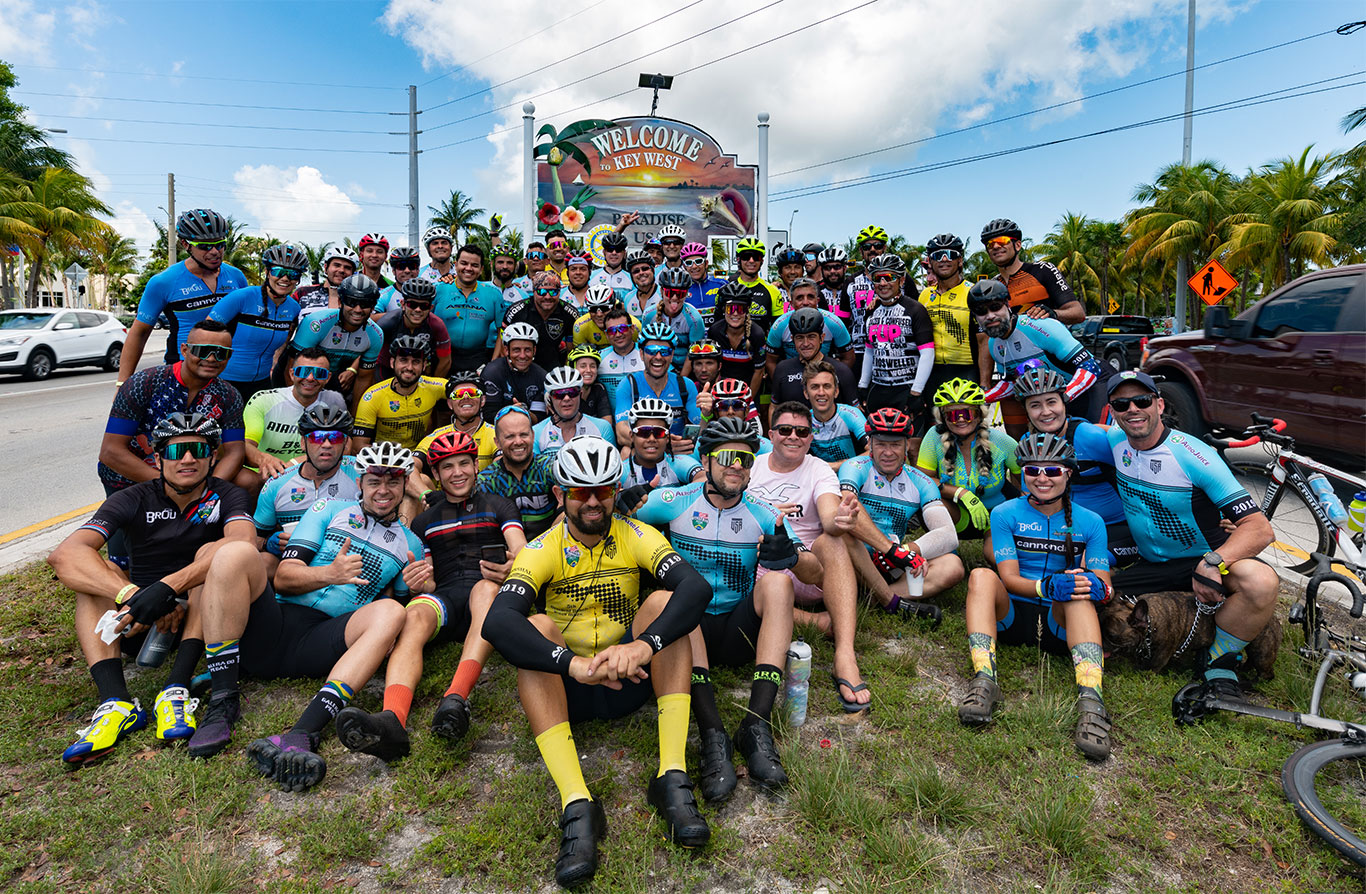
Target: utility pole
[
  {"x": 1182, "y": 273},
  {"x": 761, "y": 190},
  {"x": 529, "y": 169},
  {"x": 412, "y": 165},
  {"x": 170, "y": 220}
]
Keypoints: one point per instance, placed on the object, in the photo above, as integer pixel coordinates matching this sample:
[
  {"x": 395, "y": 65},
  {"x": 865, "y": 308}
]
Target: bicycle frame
[{"x": 1289, "y": 467}]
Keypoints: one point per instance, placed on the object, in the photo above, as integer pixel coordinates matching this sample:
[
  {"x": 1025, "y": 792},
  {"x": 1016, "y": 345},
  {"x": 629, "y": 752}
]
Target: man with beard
[
  {"x": 647, "y": 462},
  {"x": 519, "y": 475},
  {"x": 400, "y": 409},
  {"x": 504, "y": 260},
  {"x": 791, "y": 266},
  {"x": 414, "y": 317},
  {"x": 339, "y": 262},
  {"x": 465, "y": 400},
  {"x": 470, "y": 309},
  {"x": 351, "y": 339},
  {"x": 373, "y": 249},
  {"x": 548, "y": 316},
  {"x": 515, "y": 379},
  {"x": 959, "y": 349},
  {"x": 1036, "y": 289},
  {"x": 766, "y": 303},
  {"x": 659, "y": 380},
  {"x": 271, "y": 418},
  {"x": 404, "y": 261},
  {"x": 812, "y": 252},
  {"x": 566, "y": 419}
]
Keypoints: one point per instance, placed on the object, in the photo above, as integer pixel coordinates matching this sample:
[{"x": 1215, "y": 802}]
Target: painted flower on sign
[
  {"x": 572, "y": 219},
  {"x": 548, "y": 214}
]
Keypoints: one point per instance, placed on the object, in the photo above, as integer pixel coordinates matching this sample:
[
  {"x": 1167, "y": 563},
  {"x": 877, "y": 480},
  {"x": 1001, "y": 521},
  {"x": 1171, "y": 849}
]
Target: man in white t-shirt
[{"x": 808, "y": 491}]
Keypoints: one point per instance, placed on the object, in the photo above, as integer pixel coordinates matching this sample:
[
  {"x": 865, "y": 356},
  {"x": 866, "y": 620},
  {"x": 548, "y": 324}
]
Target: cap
[
  {"x": 1141, "y": 379},
  {"x": 577, "y": 261}
]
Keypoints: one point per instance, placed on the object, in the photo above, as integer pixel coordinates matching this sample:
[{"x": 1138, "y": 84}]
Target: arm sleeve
[
  {"x": 939, "y": 538},
  {"x": 923, "y": 367},
  {"x": 507, "y": 628},
  {"x": 865, "y": 371},
  {"x": 998, "y": 391}
]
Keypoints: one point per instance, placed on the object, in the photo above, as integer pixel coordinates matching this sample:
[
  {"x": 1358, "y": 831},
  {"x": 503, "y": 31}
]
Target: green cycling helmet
[
  {"x": 749, "y": 243},
  {"x": 960, "y": 391}
]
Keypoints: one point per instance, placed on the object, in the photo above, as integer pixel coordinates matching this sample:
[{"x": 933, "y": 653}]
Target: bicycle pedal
[
  {"x": 1189, "y": 706},
  {"x": 1296, "y": 615}
]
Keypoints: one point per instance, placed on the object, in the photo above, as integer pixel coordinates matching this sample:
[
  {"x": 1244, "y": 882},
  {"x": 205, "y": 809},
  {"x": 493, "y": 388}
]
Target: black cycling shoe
[
  {"x": 581, "y": 828},
  {"x": 378, "y": 734},
  {"x": 928, "y": 611},
  {"x": 671, "y": 795},
  {"x": 754, "y": 740},
  {"x": 452, "y": 718},
  {"x": 291, "y": 759},
  {"x": 717, "y": 779}
]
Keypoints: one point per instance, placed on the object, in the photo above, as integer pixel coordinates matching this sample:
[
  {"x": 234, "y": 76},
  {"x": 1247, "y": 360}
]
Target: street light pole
[
  {"x": 1182, "y": 272},
  {"x": 170, "y": 220},
  {"x": 791, "y": 240}
]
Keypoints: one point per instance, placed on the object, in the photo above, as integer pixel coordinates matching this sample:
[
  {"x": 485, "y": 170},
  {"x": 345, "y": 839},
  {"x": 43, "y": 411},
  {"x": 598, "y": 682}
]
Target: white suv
[{"x": 36, "y": 341}]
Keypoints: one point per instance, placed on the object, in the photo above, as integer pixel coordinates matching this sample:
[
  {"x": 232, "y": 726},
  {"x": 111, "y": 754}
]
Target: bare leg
[
  {"x": 236, "y": 579},
  {"x": 841, "y": 596},
  {"x": 370, "y": 634},
  {"x": 943, "y": 573},
  {"x": 1251, "y": 599},
  {"x": 773, "y": 604},
  {"x": 988, "y": 602}
]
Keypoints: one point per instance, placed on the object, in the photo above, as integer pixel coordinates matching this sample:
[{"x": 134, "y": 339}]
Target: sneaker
[
  {"x": 982, "y": 700},
  {"x": 581, "y": 828},
  {"x": 754, "y": 740},
  {"x": 452, "y": 718},
  {"x": 718, "y": 767},
  {"x": 113, "y": 720},
  {"x": 1093, "y": 729},
  {"x": 671, "y": 796},
  {"x": 174, "y": 710},
  {"x": 214, "y": 734},
  {"x": 291, "y": 759},
  {"x": 378, "y": 734}
]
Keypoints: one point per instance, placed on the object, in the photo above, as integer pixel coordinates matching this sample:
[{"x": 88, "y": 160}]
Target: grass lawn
[{"x": 902, "y": 799}]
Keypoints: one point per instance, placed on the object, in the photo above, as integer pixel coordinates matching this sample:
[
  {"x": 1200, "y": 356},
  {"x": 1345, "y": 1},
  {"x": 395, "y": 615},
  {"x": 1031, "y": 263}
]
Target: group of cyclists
[{"x": 619, "y": 475}]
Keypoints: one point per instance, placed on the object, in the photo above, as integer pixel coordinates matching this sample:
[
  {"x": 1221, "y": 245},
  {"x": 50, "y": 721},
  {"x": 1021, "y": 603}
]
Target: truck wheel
[
  {"x": 1183, "y": 409},
  {"x": 1118, "y": 358}
]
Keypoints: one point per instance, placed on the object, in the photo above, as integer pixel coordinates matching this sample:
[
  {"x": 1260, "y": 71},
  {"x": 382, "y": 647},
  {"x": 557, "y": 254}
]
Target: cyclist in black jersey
[
  {"x": 514, "y": 378},
  {"x": 339, "y": 263},
  {"x": 1036, "y": 289},
  {"x": 551, "y": 318},
  {"x": 788, "y": 377},
  {"x": 584, "y": 358},
  {"x": 173, "y": 525}
]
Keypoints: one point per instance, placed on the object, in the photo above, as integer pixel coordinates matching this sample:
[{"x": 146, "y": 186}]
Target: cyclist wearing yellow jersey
[
  {"x": 767, "y": 304},
  {"x": 400, "y": 409},
  {"x": 591, "y": 643},
  {"x": 957, "y": 343},
  {"x": 591, "y": 327}
]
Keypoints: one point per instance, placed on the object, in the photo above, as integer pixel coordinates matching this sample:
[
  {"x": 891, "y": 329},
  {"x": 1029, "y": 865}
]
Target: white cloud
[
  {"x": 133, "y": 223},
  {"x": 25, "y": 33},
  {"x": 293, "y": 203}
]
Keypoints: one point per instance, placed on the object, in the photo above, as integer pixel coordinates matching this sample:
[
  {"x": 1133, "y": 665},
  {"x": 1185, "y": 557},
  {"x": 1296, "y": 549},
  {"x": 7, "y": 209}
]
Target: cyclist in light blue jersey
[
  {"x": 404, "y": 261},
  {"x": 834, "y": 334},
  {"x": 839, "y": 431},
  {"x": 673, "y": 310},
  {"x": 471, "y": 310},
  {"x": 726, "y": 534},
  {"x": 260, "y": 319},
  {"x": 566, "y": 419},
  {"x": 351, "y": 340},
  {"x": 1052, "y": 569},
  {"x": 642, "y": 269},
  {"x": 657, "y": 379},
  {"x": 324, "y": 474},
  {"x": 184, "y": 292},
  {"x": 648, "y": 463},
  {"x": 613, "y": 272}
]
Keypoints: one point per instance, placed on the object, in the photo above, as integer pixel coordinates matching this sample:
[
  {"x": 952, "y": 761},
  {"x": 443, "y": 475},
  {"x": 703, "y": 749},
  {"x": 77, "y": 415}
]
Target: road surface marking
[
  {"x": 1301, "y": 554},
  {"x": 54, "y": 388},
  {"x": 51, "y": 522}
]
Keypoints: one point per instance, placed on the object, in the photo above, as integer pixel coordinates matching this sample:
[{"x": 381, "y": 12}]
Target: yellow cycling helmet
[
  {"x": 960, "y": 391},
  {"x": 581, "y": 351},
  {"x": 749, "y": 243},
  {"x": 872, "y": 232}
]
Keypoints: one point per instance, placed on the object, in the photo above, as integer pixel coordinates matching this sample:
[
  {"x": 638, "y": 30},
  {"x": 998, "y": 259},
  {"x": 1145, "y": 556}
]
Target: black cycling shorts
[
  {"x": 731, "y": 637},
  {"x": 287, "y": 640},
  {"x": 602, "y": 703},
  {"x": 1144, "y": 577},
  {"x": 1030, "y": 623},
  {"x": 452, "y": 606}
]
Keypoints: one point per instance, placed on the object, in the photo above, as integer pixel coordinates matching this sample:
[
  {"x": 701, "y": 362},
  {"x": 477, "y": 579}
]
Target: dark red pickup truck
[{"x": 1298, "y": 354}]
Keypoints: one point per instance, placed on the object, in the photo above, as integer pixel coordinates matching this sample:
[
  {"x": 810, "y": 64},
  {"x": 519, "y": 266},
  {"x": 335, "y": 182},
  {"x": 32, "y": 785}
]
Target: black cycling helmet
[
  {"x": 404, "y": 253},
  {"x": 201, "y": 225},
  {"x": 1042, "y": 447},
  {"x": 812, "y": 248},
  {"x": 733, "y": 293},
  {"x": 411, "y": 346},
  {"x": 614, "y": 242},
  {"x": 321, "y": 417},
  {"x": 359, "y": 287},
  {"x": 886, "y": 263},
  {"x": 806, "y": 320},
  {"x": 639, "y": 257},
  {"x": 418, "y": 288},
  {"x": 461, "y": 378},
  {"x": 1001, "y": 226},
  {"x": 179, "y": 425},
  {"x": 985, "y": 291},
  {"x": 674, "y": 278},
  {"x": 790, "y": 255},
  {"x": 284, "y": 255},
  {"x": 730, "y": 430},
  {"x": 944, "y": 241}
]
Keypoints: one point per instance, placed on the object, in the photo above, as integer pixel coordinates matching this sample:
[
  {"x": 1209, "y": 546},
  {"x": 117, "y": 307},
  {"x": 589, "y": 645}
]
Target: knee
[
  {"x": 981, "y": 578},
  {"x": 233, "y": 557},
  {"x": 775, "y": 593},
  {"x": 482, "y": 594},
  {"x": 546, "y": 628},
  {"x": 389, "y": 617},
  {"x": 951, "y": 566},
  {"x": 419, "y": 622},
  {"x": 1256, "y": 581}
]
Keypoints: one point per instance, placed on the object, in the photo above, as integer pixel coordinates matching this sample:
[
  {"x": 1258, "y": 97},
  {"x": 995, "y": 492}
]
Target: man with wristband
[{"x": 173, "y": 525}]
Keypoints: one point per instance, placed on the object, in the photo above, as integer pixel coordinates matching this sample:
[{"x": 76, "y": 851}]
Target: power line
[
  {"x": 212, "y": 124},
  {"x": 212, "y": 105},
  {"x": 233, "y": 146},
  {"x": 152, "y": 74},
  {"x": 460, "y": 68},
  {"x": 1231, "y": 105}
]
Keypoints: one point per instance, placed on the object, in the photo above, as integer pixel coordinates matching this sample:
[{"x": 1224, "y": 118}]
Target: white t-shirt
[{"x": 802, "y": 486}]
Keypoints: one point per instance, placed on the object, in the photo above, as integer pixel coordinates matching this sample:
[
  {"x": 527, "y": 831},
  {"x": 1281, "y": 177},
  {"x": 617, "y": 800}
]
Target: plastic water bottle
[
  {"x": 1323, "y": 489},
  {"x": 1356, "y": 513},
  {"x": 797, "y": 683},
  {"x": 156, "y": 647}
]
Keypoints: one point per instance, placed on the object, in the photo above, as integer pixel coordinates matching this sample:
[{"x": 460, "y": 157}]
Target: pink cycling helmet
[{"x": 693, "y": 250}]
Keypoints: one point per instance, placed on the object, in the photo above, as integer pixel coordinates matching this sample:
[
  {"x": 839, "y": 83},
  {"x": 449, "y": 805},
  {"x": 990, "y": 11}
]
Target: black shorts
[
  {"x": 1144, "y": 577},
  {"x": 1123, "y": 548},
  {"x": 899, "y": 397},
  {"x": 1030, "y": 623},
  {"x": 602, "y": 703},
  {"x": 943, "y": 372},
  {"x": 452, "y": 605},
  {"x": 287, "y": 640},
  {"x": 730, "y": 637},
  {"x": 247, "y": 389}
]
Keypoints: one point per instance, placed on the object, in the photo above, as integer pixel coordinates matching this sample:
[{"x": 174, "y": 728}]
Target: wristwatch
[{"x": 1214, "y": 560}]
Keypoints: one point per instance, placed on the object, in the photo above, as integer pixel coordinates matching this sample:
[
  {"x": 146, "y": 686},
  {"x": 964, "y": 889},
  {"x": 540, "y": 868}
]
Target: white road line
[{"x": 54, "y": 388}]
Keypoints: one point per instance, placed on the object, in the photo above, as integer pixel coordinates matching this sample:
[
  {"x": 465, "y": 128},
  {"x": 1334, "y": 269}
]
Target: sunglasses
[
  {"x": 535, "y": 256},
  {"x": 651, "y": 431},
  {"x": 811, "y": 255},
  {"x": 873, "y": 246},
  {"x": 1046, "y": 471},
  {"x": 404, "y": 265},
  {"x": 1143, "y": 402},
  {"x": 732, "y": 404},
  {"x": 990, "y": 307},
  {"x": 547, "y": 292},
  {"x": 694, "y": 262},
  {"x": 787, "y": 431},
  {"x": 730, "y": 457},
  {"x": 961, "y": 414},
  {"x": 467, "y": 392},
  {"x": 417, "y": 305},
  {"x": 674, "y": 242},
  {"x": 833, "y": 265},
  {"x": 209, "y": 352},
  {"x": 737, "y": 308},
  {"x": 1000, "y": 240},
  {"x": 675, "y": 293},
  {"x": 619, "y": 329},
  {"x": 197, "y": 449},
  {"x": 511, "y": 409},
  {"x": 750, "y": 256},
  {"x": 584, "y": 494},
  {"x": 286, "y": 272},
  {"x": 557, "y": 244},
  {"x": 657, "y": 350},
  {"x": 384, "y": 472},
  {"x": 312, "y": 372},
  {"x": 356, "y": 302},
  {"x": 945, "y": 254},
  {"x": 209, "y": 246},
  {"x": 326, "y": 437},
  {"x": 565, "y": 393},
  {"x": 885, "y": 277}
]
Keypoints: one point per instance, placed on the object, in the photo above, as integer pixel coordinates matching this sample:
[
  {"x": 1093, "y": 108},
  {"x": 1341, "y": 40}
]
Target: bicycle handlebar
[
  {"x": 1323, "y": 572},
  {"x": 1262, "y": 427}
]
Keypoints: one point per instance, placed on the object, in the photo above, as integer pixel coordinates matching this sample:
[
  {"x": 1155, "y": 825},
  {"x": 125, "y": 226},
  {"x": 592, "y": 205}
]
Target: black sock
[
  {"x": 704, "y": 701},
  {"x": 762, "y": 692},
  {"x": 330, "y": 699},
  {"x": 186, "y": 660},
  {"x": 108, "y": 677}
]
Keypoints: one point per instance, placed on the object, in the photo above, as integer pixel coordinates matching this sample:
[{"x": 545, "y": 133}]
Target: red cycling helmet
[
  {"x": 732, "y": 389},
  {"x": 452, "y": 443},
  {"x": 373, "y": 239},
  {"x": 890, "y": 421}
]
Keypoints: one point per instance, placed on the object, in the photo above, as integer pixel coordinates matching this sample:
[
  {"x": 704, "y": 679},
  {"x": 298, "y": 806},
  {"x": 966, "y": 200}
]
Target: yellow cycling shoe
[
  {"x": 113, "y": 720},
  {"x": 175, "y": 713}
]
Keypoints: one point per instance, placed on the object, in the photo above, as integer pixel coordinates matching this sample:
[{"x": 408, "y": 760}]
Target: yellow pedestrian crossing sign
[{"x": 1114, "y": 306}]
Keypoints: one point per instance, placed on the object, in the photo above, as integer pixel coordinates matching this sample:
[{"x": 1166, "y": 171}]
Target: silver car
[{"x": 35, "y": 341}]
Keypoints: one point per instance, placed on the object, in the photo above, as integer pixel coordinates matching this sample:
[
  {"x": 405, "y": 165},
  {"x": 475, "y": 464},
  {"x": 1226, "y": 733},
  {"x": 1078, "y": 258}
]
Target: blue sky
[{"x": 885, "y": 73}]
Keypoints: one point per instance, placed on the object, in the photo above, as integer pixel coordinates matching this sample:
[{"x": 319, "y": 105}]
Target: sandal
[
  {"x": 1093, "y": 729},
  {"x": 981, "y": 701},
  {"x": 850, "y": 707}
]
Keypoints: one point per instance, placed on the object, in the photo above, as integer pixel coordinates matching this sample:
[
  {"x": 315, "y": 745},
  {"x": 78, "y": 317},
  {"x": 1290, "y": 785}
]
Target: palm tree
[
  {"x": 315, "y": 258},
  {"x": 114, "y": 257},
  {"x": 1105, "y": 241},
  {"x": 1350, "y": 122},
  {"x": 1066, "y": 249},
  {"x": 458, "y": 215},
  {"x": 561, "y": 146},
  {"x": 59, "y": 207}
]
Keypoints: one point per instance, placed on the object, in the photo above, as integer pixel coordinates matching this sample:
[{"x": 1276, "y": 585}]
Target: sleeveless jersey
[{"x": 955, "y": 332}]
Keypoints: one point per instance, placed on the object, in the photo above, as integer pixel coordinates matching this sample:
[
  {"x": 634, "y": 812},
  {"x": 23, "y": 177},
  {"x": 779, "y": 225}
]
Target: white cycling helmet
[
  {"x": 436, "y": 233},
  {"x": 522, "y": 331},
  {"x": 649, "y": 408},
  {"x": 343, "y": 252},
  {"x": 833, "y": 255},
  {"x": 384, "y": 455},
  {"x": 562, "y": 377},
  {"x": 671, "y": 231},
  {"x": 599, "y": 294},
  {"x": 587, "y": 461}
]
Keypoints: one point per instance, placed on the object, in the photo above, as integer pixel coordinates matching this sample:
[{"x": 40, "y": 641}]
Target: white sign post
[{"x": 76, "y": 274}]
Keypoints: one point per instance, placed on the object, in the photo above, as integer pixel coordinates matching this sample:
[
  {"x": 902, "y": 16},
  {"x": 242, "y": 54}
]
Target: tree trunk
[
  {"x": 7, "y": 282},
  {"x": 35, "y": 273}
]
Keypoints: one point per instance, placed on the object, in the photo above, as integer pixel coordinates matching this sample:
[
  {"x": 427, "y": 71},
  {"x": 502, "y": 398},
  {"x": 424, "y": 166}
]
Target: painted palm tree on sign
[
  {"x": 459, "y": 215},
  {"x": 560, "y": 146}
]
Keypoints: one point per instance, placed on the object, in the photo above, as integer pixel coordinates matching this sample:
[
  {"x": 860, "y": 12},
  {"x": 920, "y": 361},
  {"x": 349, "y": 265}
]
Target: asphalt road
[{"x": 52, "y": 432}]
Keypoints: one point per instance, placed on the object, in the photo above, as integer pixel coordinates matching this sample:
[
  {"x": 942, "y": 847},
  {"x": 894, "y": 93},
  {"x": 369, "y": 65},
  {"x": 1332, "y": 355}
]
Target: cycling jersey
[
  {"x": 393, "y": 325},
  {"x": 323, "y": 329},
  {"x": 1094, "y": 484},
  {"x": 1032, "y": 342},
  {"x": 577, "y": 302},
  {"x": 315, "y": 297},
  {"x": 519, "y": 291},
  {"x": 548, "y": 439},
  {"x": 531, "y": 493},
  {"x": 767, "y": 304},
  {"x": 789, "y": 381},
  {"x": 900, "y": 345},
  {"x": 613, "y": 367},
  {"x": 383, "y": 414},
  {"x": 586, "y": 332},
  {"x": 259, "y": 327},
  {"x": 741, "y": 361},
  {"x": 955, "y": 332},
  {"x": 596, "y": 401},
  {"x": 834, "y": 335},
  {"x": 721, "y": 544},
  {"x": 162, "y": 538},
  {"x": 687, "y": 326},
  {"x": 428, "y": 272},
  {"x": 271, "y": 419},
  {"x": 555, "y": 333},
  {"x": 671, "y": 470},
  {"x": 471, "y": 320},
  {"x": 502, "y": 385},
  {"x": 1021, "y": 533},
  {"x": 678, "y": 392},
  {"x": 149, "y": 396},
  {"x": 456, "y": 535},
  {"x": 702, "y": 296},
  {"x": 892, "y": 503},
  {"x": 390, "y": 299},
  {"x": 619, "y": 281},
  {"x": 965, "y": 471},
  {"x": 383, "y": 549},
  {"x": 184, "y": 299},
  {"x": 483, "y": 437},
  {"x": 1174, "y": 495},
  {"x": 857, "y": 299},
  {"x": 843, "y": 435},
  {"x": 1038, "y": 282},
  {"x": 285, "y": 498}
]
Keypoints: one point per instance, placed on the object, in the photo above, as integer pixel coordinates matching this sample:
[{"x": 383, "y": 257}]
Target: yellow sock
[
  {"x": 673, "y": 730},
  {"x": 562, "y": 760}
]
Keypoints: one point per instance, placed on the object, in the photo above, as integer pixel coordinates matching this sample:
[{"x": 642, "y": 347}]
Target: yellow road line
[
  {"x": 48, "y": 523},
  {"x": 1301, "y": 554}
]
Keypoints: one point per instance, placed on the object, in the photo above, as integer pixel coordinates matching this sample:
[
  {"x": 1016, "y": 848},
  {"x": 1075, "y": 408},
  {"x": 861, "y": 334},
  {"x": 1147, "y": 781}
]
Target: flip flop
[{"x": 850, "y": 707}]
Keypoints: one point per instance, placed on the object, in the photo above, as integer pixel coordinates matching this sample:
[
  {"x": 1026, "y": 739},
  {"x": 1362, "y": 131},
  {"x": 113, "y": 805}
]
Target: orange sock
[
  {"x": 466, "y": 675},
  {"x": 399, "y": 699}
]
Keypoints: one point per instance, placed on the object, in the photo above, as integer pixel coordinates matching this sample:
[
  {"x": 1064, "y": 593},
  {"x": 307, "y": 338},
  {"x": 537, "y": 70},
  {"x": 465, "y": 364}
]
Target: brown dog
[{"x": 1151, "y": 631}]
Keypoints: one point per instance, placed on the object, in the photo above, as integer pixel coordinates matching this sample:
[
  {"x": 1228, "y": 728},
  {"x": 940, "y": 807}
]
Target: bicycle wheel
[
  {"x": 1298, "y": 533},
  {"x": 1309, "y": 771}
]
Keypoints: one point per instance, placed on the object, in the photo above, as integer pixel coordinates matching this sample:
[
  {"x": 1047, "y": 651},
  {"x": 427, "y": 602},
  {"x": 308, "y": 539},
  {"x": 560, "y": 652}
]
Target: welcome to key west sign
[{"x": 592, "y": 172}]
